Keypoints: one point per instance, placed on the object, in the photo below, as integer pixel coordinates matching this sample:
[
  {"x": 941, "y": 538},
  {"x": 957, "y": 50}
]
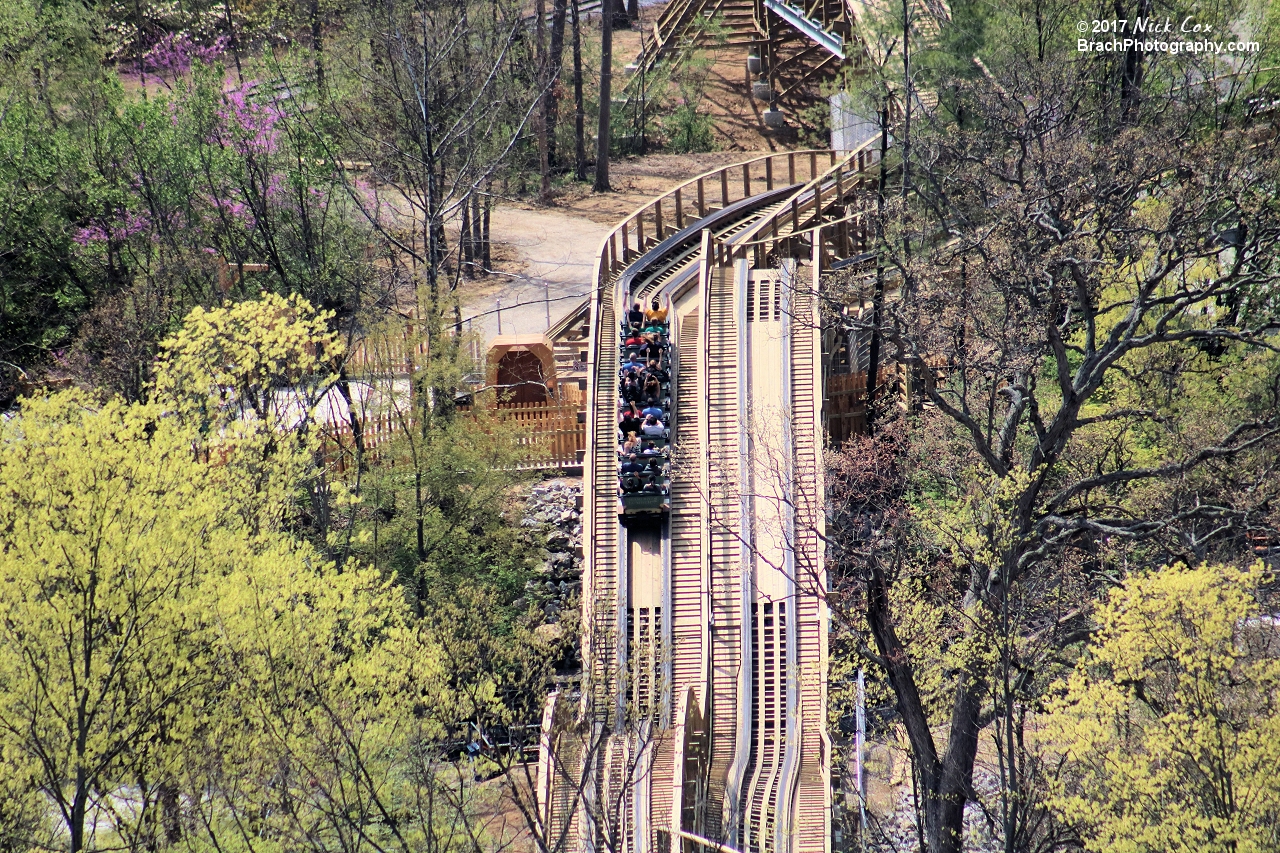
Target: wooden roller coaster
[{"x": 700, "y": 723}]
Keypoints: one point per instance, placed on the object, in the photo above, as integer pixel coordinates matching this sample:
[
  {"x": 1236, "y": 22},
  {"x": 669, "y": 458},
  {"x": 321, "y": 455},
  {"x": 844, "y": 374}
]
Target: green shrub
[{"x": 689, "y": 130}]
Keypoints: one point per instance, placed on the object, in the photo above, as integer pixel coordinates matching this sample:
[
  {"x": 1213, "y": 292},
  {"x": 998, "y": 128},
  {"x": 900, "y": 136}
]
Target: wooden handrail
[
  {"x": 822, "y": 187},
  {"x": 610, "y": 259}
]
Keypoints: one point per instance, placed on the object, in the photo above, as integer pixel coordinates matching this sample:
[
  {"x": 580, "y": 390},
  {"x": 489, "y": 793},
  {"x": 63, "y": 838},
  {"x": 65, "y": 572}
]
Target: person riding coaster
[
  {"x": 656, "y": 314},
  {"x": 635, "y": 317}
]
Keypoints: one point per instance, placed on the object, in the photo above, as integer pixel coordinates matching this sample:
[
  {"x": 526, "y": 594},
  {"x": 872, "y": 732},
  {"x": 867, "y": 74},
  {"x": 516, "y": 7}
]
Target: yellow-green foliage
[
  {"x": 246, "y": 378},
  {"x": 162, "y": 631},
  {"x": 115, "y": 541},
  {"x": 1171, "y": 398},
  {"x": 176, "y": 666},
  {"x": 148, "y": 631},
  {"x": 1169, "y": 725},
  {"x": 267, "y": 357}
]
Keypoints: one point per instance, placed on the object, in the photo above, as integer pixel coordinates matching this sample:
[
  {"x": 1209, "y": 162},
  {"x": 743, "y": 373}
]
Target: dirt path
[
  {"x": 552, "y": 250},
  {"x": 555, "y": 251},
  {"x": 548, "y": 252}
]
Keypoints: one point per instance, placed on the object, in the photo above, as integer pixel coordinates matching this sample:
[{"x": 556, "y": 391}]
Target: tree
[
  {"x": 176, "y": 665},
  {"x": 559, "y": 15},
  {"x": 46, "y": 53},
  {"x": 122, "y": 213},
  {"x": 263, "y": 359},
  {"x": 434, "y": 508},
  {"x": 123, "y": 526},
  {"x": 333, "y": 705},
  {"x": 247, "y": 378},
  {"x": 606, "y": 98},
  {"x": 1086, "y": 324},
  {"x": 441, "y": 98},
  {"x": 579, "y": 113},
  {"x": 114, "y": 539},
  {"x": 1169, "y": 724}
]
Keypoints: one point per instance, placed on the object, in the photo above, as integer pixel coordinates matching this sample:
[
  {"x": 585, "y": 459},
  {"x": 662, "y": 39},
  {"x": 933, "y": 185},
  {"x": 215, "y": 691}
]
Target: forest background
[{"x": 211, "y": 640}]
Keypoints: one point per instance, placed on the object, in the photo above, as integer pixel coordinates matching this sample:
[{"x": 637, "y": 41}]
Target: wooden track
[{"x": 701, "y": 718}]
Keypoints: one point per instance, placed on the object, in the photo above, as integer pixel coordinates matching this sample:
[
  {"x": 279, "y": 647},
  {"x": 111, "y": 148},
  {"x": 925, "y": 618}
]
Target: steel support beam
[{"x": 811, "y": 28}]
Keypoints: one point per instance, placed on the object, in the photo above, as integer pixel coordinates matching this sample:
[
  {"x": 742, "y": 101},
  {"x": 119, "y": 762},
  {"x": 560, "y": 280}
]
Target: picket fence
[{"x": 553, "y": 435}]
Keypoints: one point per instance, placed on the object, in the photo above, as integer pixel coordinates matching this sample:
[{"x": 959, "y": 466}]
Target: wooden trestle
[
  {"x": 700, "y": 724},
  {"x": 795, "y": 42}
]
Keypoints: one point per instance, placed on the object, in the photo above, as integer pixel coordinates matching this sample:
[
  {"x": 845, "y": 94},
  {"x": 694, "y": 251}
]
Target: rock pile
[{"x": 551, "y": 510}]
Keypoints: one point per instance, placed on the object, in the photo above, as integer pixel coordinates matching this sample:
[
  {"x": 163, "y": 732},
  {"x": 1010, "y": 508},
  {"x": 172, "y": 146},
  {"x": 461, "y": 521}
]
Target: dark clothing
[
  {"x": 635, "y": 317},
  {"x": 629, "y": 425},
  {"x": 632, "y": 468}
]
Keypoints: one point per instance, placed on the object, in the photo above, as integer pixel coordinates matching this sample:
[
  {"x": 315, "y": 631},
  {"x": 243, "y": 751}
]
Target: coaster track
[{"x": 700, "y": 724}]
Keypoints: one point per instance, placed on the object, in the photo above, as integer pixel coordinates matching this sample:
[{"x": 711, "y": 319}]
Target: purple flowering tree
[{"x": 187, "y": 189}]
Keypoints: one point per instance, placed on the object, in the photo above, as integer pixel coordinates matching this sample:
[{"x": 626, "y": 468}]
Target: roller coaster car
[
  {"x": 643, "y": 504},
  {"x": 645, "y": 491},
  {"x": 626, "y": 327}
]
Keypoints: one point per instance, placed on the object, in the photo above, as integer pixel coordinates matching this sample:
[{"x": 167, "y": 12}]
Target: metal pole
[
  {"x": 859, "y": 746},
  {"x": 499, "y": 316},
  {"x": 546, "y": 299}
]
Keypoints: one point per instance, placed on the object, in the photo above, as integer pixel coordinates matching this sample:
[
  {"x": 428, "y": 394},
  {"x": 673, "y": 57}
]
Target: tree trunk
[
  {"x": 486, "y": 255},
  {"x": 232, "y": 42},
  {"x": 170, "y": 811},
  {"x": 480, "y": 257},
  {"x": 579, "y": 113},
  {"x": 606, "y": 94},
  {"x": 1131, "y": 73},
  {"x": 80, "y": 801},
  {"x": 357, "y": 428},
  {"x": 317, "y": 43},
  {"x": 945, "y": 781},
  {"x": 540, "y": 111},
  {"x": 559, "y": 9},
  {"x": 948, "y": 790},
  {"x": 464, "y": 238},
  {"x": 78, "y": 808},
  {"x": 877, "y": 299}
]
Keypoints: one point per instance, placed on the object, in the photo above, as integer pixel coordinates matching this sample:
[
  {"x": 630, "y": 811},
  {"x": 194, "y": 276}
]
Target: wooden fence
[
  {"x": 846, "y": 406},
  {"x": 339, "y": 444},
  {"x": 387, "y": 355},
  {"x": 553, "y": 435}
]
